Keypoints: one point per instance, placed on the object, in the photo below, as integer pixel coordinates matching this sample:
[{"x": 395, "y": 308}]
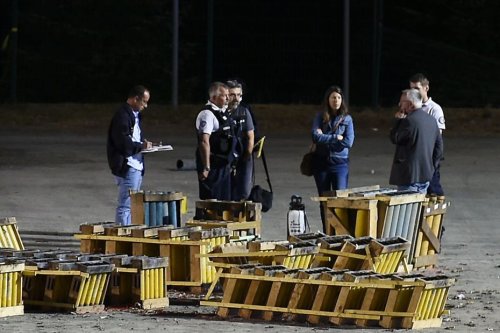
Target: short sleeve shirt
[
  {"x": 206, "y": 122},
  {"x": 435, "y": 110}
]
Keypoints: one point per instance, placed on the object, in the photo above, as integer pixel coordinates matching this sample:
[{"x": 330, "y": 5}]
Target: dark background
[{"x": 286, "y": 51}]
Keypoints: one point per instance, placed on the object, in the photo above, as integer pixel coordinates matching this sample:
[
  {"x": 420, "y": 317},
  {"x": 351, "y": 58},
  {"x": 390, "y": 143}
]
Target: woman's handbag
[{"x": 306, "y": 166}]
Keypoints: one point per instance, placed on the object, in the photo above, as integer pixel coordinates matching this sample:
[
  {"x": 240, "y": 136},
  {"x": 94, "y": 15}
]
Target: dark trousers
[
  {"x": 242, "y": 180},
  {"x": 217, "y": 185},
  {"x": 435, "y": 184}
]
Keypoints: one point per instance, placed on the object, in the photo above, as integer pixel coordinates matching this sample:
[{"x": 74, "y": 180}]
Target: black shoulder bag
[{"x": 258, "y": 194}]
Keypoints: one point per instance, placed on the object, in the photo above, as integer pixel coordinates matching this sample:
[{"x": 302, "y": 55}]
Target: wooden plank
[
  {"x": 137, "y": 208},
  {"x": 400, "y": 199},
  {"x": 425, "y": 261},
  {"x": 163, "y": 196},
  {"x": 156, "y": 303},
  {"x": 8, "y": 311},
  {"x": 95, "y": 228},
  {"x": 234, "y": 289},
  {"x": 429, "y": 234}
]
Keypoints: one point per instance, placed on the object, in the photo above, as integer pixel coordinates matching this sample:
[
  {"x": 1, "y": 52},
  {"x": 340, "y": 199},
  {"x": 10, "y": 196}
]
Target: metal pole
[
  {"x": 175, "y": 53},
  {"x": 13, "y": 40},
  {"x": 377, "y": 51},
  {"x": 345, "y": 68},
  {"x": 210, "y": 41}
]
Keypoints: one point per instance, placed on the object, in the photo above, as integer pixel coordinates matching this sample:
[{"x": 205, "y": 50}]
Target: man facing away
[
  {"x": 419, "y": 146},
  {"x": 241, "y": 177},
  {"x": 215, "y": 150},
  {"x": 124, "y": 145},
  {"x": 420, "y": 82}
]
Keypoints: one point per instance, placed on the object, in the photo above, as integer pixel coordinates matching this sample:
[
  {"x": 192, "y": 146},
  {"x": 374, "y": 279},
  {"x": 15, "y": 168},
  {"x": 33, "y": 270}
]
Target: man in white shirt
[
  {"x": 124, "y": 145},
  {"x": 215, "y": 149}
]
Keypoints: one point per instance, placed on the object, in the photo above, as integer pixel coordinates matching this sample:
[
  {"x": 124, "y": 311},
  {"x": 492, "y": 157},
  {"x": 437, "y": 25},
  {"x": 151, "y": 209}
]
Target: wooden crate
[
  {"x": 351, "y": 216},
  {"x": 156, "y": 208},
  {"x": 138, "y": 280},
  {"x": 72, "y": 286},
  {"x": 330, "y": 246},
  {"x": 9, "y": 234},
  {"x": 428, "y": 241},
  {"x": 242, "y": 218},
  {"x": 11, "y": 303}
]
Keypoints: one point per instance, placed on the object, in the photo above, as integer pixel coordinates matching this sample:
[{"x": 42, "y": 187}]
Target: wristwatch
[{"x": 206, "y": 169}]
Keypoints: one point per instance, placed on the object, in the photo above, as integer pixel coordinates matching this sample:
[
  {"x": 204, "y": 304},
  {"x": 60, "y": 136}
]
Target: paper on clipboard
[{"x": 157, "y": 148}]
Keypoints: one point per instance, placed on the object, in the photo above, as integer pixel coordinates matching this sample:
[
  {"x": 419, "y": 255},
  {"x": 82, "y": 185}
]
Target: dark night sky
[{"x": 285, "y": 51}]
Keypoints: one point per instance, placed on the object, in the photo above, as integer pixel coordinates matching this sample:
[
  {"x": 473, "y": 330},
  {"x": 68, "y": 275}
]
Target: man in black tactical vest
[
  {"x": 216, "y": 144},
  {"x": 242, "y": 175}
]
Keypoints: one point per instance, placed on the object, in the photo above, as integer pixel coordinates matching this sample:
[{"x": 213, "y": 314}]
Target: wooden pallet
[
  {"x": 362, "y": 298},
  {"x": 242, "y": 218},
  {"x": 428, "y": 243},
  {"x": 11, "y": 303},
  {"x": 329, "y": 248},
  {"x": 351, "y": 216},
  {"x": 185, "y": 248},
  {"x": 139, "y": 281},
  {"x": 72, "y": 286},
  {"x": 9, "y": 234}
]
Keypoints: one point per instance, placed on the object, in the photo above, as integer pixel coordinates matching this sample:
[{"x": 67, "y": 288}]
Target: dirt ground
[{"x": 56, "y": 180}]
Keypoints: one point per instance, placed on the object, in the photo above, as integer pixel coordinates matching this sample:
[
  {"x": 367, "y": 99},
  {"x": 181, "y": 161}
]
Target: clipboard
[{"x": 157, "y": 148}]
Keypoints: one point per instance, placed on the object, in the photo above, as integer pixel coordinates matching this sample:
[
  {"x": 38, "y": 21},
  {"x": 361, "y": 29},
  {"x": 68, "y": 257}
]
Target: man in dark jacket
[
  {"x": 419, "y": 146},
  {"x": 124, "y": 146}
]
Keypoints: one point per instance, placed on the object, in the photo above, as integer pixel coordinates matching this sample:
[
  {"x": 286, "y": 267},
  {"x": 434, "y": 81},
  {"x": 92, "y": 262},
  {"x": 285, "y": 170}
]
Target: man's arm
[
  {"x": 204, "y": 148},
  {"x": 251, "y": 143}
]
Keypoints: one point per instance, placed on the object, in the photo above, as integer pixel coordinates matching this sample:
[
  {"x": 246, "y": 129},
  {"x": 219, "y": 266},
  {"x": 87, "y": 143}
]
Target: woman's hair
[{"x": 328, "y": 112}]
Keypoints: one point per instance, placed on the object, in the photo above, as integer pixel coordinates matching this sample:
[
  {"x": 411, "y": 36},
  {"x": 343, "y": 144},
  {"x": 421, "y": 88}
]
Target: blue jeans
[
  {"x": 132, "y": 181},
  {"x": 416, "y": 187},
  {"x": 334, "y": 177}
]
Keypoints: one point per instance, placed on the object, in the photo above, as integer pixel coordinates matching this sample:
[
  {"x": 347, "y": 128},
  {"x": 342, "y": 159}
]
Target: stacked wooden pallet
[
  {"x": 386, "y": 213},
  {"x": 339, "y": 252},
  {"x": 184, "y": 247},
  {"x": 241, "y": 218},
  {"x": 341, "y": 297}
]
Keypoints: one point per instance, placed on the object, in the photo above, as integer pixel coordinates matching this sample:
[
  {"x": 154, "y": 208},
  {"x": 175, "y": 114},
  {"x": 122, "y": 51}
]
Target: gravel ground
[{"x": 55, "y": 182}]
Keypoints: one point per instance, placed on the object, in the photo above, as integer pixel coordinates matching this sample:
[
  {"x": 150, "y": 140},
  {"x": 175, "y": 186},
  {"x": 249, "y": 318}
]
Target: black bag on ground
[
  {"x": 258, "y": 194},
  {"x": 265, "y": 197}
]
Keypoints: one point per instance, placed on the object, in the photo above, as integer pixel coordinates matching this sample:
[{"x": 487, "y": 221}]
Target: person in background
[
  {"x": 420, "y": 82},
  {"x": 419, "y": 146},
  {"x": 124, "y": 144},
  {"x": 241, "y": 177},
  {"x": 215, "y": 151},
  {"x": 333, "y": 137}
]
